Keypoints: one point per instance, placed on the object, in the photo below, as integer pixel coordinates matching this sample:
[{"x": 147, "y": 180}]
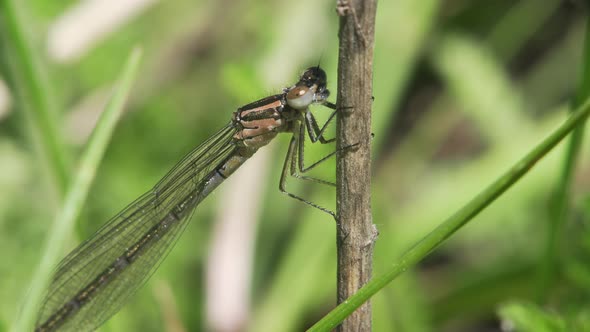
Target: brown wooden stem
[{"x": 356, "y": 232}]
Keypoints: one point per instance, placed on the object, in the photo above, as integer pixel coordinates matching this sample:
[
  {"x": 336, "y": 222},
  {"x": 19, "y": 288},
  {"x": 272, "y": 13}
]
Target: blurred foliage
[
  {"x": 528, "y": 317},
  {"x": 463, "y": 88}
]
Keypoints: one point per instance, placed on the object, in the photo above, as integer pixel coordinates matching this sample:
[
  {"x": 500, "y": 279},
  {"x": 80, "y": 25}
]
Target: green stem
[
  {"x": 33, "y": 90},
  {"x": 561, "y": 201},
  {"x": 76, "y": 195},
  {"x": 453, "y": 223}
]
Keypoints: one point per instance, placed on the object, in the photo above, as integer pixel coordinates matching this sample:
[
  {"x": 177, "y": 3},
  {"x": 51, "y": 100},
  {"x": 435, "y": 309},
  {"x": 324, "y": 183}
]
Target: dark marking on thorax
[{"x": 259, "y": 122}]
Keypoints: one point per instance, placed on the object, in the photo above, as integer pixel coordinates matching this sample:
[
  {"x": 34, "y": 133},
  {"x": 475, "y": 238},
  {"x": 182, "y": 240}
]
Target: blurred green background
[{"x": 463, "y": 88}]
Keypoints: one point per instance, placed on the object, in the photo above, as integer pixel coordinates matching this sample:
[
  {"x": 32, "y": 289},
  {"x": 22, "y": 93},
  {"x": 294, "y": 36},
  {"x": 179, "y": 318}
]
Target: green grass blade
[
  {"x": 453, "y": 223},
  {"x": 561, "y": 201},
  {"x": 30, "y": 83},
  {"x": 64, "y": 221},
  {"x": 510, "y": 33}
]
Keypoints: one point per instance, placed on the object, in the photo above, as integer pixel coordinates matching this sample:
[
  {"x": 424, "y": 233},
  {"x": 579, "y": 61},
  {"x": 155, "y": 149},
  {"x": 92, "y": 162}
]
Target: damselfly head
[
  {"x": 313, "y": 75},
  {"x": 310, "y": 89}
]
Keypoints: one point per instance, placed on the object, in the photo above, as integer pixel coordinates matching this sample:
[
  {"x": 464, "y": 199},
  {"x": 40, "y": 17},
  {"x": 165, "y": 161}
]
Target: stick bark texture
[{"x": 356, "y": 233}]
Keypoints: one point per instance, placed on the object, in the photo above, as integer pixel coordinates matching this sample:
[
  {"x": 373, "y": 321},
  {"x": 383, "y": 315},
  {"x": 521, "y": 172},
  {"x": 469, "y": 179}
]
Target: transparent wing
[{"x": 76, "y": 307}]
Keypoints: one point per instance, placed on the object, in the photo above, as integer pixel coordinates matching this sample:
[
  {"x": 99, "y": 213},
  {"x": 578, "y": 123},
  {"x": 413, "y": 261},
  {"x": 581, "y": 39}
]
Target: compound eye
[{"x": 300, "y": 97}]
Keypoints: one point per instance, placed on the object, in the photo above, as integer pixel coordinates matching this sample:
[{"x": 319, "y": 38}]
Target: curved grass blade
[
  {"x": 27, "y": 73},
  {"x": 453, "y": 223},
  {"x": 64, "y": 222}
]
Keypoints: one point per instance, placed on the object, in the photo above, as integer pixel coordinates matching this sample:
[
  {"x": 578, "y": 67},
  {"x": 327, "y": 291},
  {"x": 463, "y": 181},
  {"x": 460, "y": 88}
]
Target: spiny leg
[
  {"x": 314, "y": 131},
  {"x": 313, "y": 128},
  {"x": 315, "y": 134},
  {"x": 298, "y": 157},
  {"x": 291, "y": 153}
]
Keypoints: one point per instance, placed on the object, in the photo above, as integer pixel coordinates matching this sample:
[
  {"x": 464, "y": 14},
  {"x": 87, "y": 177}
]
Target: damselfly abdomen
[{"x": 94, "y": 281}]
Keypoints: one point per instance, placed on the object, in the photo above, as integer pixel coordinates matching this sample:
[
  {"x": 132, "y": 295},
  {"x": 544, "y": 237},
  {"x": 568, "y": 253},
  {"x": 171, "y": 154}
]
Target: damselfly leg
[
  {"x": 289, "y": 160},
  {"x": 295, "y": 158},
  {"x": 315, "y": 133}
]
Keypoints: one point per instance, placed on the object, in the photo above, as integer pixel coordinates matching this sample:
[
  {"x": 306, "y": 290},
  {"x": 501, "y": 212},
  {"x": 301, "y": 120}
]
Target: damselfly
[{"x": 93, "y": 282}]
